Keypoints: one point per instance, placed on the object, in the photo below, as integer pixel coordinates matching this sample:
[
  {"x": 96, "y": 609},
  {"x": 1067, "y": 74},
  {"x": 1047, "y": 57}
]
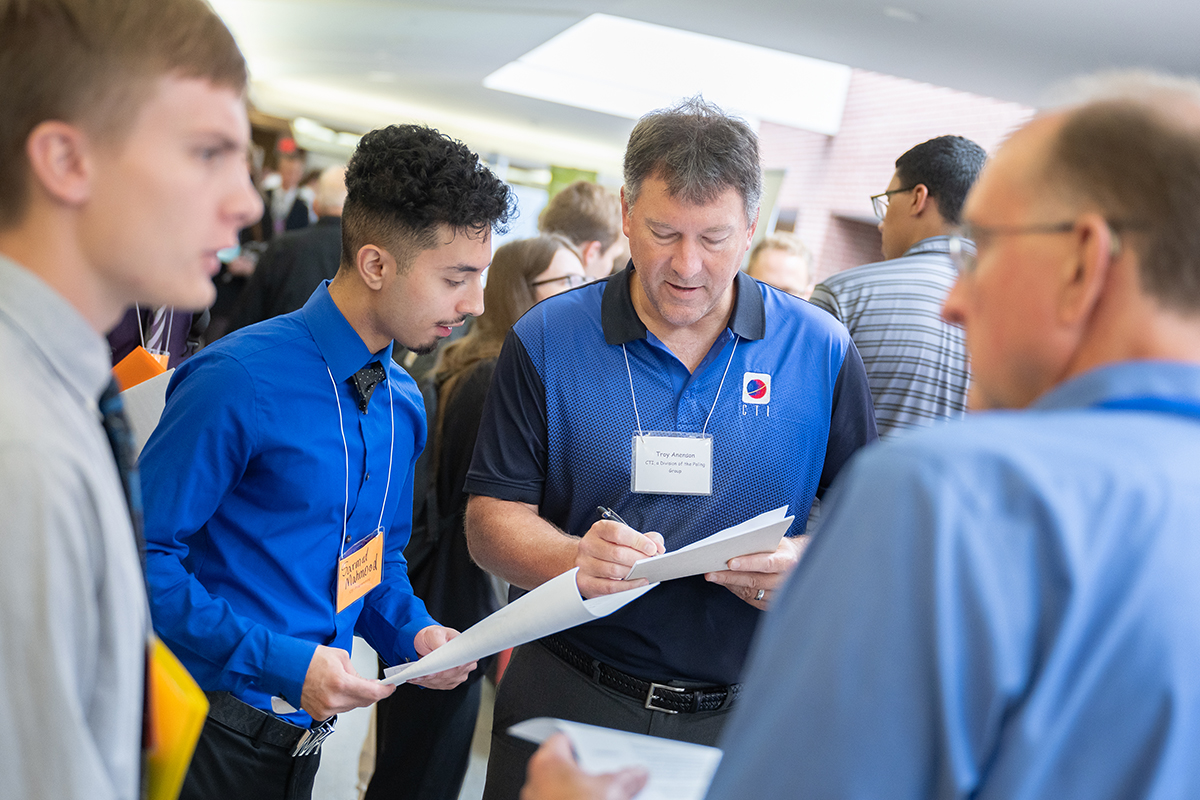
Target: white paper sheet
[
  {"x": 759, "y": 534},
  {"x": 143, "y": 407},
  {"x": 552, "y": 607},
  {"x": 678, "y": 770}
]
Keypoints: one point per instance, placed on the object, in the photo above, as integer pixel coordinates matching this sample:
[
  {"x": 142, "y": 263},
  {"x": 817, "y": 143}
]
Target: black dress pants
[
  {"x": 539, "y": 684},
  {"x": 229, "y": 765}
]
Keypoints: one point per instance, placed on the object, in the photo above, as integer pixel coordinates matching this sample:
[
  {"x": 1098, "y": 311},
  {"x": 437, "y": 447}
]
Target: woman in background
[{"x": 423, "y": 738}]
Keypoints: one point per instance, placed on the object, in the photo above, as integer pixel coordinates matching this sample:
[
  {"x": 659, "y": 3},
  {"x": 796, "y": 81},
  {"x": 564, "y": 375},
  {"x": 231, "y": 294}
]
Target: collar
[
  {"x": 340, "y": 345},
  {"x": 622, "y": 324},
  {"x": 1173, "y": 380},
  {"x": 934, "y": 244},
  {"x": 54, "y": 330}
]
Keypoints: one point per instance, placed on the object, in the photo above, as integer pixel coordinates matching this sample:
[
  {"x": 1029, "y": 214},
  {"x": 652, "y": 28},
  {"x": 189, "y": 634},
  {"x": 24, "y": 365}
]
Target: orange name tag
[{"x": 360, "y": 570}]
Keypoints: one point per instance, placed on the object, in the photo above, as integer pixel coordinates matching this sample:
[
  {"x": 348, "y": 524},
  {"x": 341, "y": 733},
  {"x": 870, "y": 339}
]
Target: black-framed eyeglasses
[
  {"x": 572, "y": 280},
  {"x": 879, "y": 202},
  {"x": 968, "y": 237}
]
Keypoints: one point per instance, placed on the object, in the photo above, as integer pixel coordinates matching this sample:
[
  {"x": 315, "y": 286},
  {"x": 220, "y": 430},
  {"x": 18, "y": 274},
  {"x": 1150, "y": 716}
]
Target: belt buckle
[
  {"x": 650, "y": 696},
  {"x": 311, "y": 739}
]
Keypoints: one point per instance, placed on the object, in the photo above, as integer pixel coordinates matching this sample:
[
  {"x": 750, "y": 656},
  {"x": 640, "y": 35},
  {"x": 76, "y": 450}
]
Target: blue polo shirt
[
  {"x": 557, "y": 433},
  {"x": 245, "y": 485}
]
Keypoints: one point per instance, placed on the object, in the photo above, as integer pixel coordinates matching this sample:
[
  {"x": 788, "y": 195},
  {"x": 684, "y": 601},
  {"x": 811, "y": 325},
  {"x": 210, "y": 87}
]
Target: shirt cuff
[
  {"x": 406, "y": 635},
  {"x": 285, "y": 666}
]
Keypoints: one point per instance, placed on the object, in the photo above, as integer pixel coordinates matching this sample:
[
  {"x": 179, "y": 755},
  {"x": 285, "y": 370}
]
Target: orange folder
[{"x": 140, "y": 365}]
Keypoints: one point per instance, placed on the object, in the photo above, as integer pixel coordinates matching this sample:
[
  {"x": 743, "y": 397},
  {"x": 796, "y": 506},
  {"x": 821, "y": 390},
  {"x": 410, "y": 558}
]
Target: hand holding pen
[{"x": 608, "y": 551}]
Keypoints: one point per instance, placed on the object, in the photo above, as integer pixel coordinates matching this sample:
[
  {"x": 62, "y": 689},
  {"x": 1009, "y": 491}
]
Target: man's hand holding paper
[
  {"x": 754, "y": 578},
  {"x": 429, "y": 639},
  {"x": 607, "y": 552},
  {"x": 751, "y": 559}
]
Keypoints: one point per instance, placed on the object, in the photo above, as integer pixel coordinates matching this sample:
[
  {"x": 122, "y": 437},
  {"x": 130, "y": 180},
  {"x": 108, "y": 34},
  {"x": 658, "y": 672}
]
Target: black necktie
[
  {"x": 365, "y": 380},
  {"x": 120, "y": 438}
]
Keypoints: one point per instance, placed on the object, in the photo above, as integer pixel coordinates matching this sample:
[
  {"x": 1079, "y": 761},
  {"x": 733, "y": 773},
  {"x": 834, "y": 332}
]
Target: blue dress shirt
[
  {"x": 245, "y": 483},
  {"x": 1006, "y": 607}
]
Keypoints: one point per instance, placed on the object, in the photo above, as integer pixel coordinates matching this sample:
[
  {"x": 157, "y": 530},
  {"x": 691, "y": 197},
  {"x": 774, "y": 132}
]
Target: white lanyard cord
[
  {"x": 629, "y": 372},
  {"x": 346, "y": 450},
  {"x": 720, "y": 385},
  {"x": 391, "y": 447},
  {"x": 703, "y": 430}
]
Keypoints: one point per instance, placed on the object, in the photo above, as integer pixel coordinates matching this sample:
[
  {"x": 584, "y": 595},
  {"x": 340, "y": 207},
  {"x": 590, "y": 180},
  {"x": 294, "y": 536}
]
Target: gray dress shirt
[{"x": 73, "y": 619}]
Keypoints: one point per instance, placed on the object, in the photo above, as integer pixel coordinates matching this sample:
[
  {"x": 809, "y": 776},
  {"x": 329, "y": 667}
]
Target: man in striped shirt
[{"x": 916, "y": 362}]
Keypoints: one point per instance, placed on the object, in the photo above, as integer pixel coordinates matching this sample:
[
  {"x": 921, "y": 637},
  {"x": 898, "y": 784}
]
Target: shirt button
[{"x": 368, "y": 477}]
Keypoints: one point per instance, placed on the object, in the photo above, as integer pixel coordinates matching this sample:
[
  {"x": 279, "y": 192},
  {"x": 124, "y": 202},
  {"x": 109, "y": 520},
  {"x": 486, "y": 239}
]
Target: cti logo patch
[{"x": 756, "y": 388}]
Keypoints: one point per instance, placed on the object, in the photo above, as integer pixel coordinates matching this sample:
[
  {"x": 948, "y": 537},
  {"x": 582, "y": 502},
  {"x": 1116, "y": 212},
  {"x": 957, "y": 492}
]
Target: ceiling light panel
[{"x": 627, "y": 68}]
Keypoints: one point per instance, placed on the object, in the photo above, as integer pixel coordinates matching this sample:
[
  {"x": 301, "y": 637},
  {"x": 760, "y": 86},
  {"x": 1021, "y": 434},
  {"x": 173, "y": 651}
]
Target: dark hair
[
  {"x": 698, "y": 150},
  {"x": 92, "y": 64},
  {"x": 405, "y": 181},
  {"x": 1139, "y": 161},
  {"x": 509, "y": 293},
  {"x": 583, "y": 212},
  {"x": 948, "y": 167}
]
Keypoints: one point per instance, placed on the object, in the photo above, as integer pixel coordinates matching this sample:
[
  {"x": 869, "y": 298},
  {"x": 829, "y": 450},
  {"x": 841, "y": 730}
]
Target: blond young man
[{"x": 122, "y": 173}]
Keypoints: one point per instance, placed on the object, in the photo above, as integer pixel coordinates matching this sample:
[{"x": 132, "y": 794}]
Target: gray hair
[
  {"x": 699, "y": 151},
  {"x": 1133, "y": 151}
]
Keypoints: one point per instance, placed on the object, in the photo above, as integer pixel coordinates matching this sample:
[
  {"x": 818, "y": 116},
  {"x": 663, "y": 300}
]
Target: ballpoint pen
[{"x": 609, "y": 514}]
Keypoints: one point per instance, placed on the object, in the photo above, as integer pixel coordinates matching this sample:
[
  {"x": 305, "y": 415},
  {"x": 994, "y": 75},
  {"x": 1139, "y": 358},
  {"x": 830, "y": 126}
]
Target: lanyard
[
  {"x": 346, "y": 450},
  {"x": 637, "y": 417},
  {"x": 164, "y": 344},
  {"x": 1162, "y": 405}
]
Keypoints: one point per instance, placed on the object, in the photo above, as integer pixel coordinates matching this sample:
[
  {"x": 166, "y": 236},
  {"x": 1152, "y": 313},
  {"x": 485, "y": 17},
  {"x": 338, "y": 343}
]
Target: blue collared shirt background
[
  {"x": 1005, "y": 607},
  {"x": 245, "y": 481}
]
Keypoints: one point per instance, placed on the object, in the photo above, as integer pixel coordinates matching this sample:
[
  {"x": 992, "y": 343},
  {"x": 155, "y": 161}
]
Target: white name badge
[{"x": 672, "y": 463}]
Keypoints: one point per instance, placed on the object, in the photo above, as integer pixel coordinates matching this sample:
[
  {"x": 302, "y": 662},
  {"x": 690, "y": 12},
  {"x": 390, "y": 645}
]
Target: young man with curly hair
[{"x": 278, "y": 484}]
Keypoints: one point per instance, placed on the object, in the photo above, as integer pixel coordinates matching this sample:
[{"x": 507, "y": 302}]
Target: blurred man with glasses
[{"x": 916, "y": 362}]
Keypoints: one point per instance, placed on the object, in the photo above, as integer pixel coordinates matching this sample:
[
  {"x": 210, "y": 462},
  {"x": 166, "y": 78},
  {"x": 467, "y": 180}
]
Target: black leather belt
[
  {"x": 263, "y": 727},
  {"x": 654, "y": 696}
]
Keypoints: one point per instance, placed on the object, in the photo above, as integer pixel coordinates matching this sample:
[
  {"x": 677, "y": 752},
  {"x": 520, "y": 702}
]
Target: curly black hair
[{"x": 405, "y": 181}]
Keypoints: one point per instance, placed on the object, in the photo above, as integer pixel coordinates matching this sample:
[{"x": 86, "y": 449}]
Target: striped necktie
[{"x": 120, "y": 439}]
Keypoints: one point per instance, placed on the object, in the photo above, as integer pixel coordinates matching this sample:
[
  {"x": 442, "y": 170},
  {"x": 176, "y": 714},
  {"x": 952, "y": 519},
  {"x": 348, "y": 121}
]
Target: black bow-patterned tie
[
  {"x": 365, "y": 380},
  {"x": 120, "y": 439}
]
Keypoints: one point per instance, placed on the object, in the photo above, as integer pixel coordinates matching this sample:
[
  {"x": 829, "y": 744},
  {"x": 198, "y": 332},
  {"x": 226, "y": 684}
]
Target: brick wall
[{"x": 829, "y": 179}]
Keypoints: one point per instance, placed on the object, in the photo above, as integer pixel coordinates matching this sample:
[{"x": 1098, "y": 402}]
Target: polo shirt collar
[
  {"x": 621, "y": 323},
  {"x": 1172, "y": 380},
  {"x": 934, "y": 244},
  {"x": 342, "y": 348}
]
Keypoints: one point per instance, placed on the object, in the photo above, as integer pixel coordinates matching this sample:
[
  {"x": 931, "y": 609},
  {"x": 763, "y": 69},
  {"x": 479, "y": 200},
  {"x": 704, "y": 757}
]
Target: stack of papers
[
  {"x": 761, "y": 534},
  {"x": 552, "y": 607},
  {"x": 678, "y": 770},
  {"x": 556, "y": 605}
]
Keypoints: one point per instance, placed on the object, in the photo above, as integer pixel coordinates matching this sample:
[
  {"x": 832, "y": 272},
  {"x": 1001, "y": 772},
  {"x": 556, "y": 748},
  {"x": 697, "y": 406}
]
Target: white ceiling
[{"x": 358, "y": 64}]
